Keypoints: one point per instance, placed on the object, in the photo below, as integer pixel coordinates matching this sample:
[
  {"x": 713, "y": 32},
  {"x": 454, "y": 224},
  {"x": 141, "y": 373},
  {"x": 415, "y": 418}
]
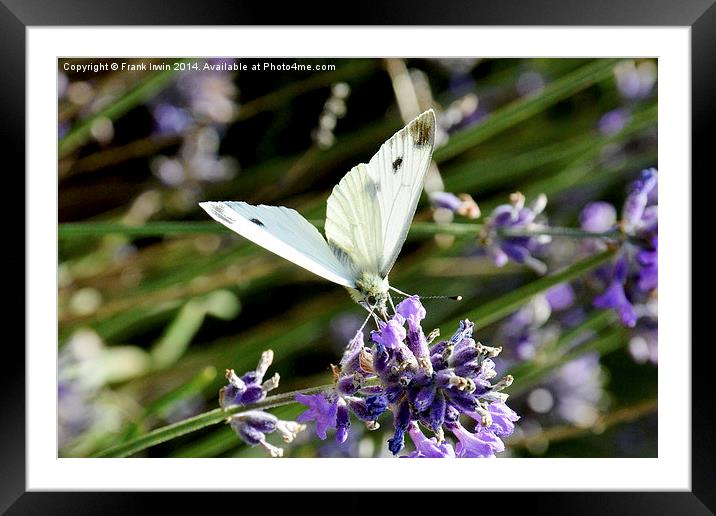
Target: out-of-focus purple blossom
[
  {"x": 578, "y": 390},
  {"x": 529, "y": 83},
  {"x": 644, "y": 341},
  {"x": 171, "y": 120},
  {"x": 598, "y": 217},
  {"x": 633, "y": 276},
  {"x": 463, "y": 112},
  {"x": 460, "y": 74},
  {"x": 522, "y": 334},
  {"x": 515, "y": 217},
  {"x": 635, "y": 80},
  {"x": 62, "y": 84},
  {"x": 560, "y": 297},
  {"x": 253, "y": 426},
  {"x": 198, "y": 161},
  {"x": 209, "y": 94},
  {"x": 463, "y": 204},
  {"x": 62, "y": 129},
  {"x": 423, "y": 384},
  {"x": 614, "y": 121}
]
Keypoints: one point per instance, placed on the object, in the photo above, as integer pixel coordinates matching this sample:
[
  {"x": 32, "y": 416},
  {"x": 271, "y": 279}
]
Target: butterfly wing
[
  {"x": 285, "y": 232},
  {"x": 353, "y": 220},
  {"x": 370, "y": 210}
]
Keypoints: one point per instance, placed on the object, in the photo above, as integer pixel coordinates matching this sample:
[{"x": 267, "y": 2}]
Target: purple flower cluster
[
  {"x": 253, "y": 426},
  {"x": 633, "y": 276},
  {"x": 425, "y": 385},
  {"x": 515, "y": 216}
]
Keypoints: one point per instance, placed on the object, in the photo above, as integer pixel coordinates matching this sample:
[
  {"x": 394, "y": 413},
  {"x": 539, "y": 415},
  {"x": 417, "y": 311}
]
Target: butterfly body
[
  {"x": 368, "y": 216},
  {"x": 371, "y": 291}
]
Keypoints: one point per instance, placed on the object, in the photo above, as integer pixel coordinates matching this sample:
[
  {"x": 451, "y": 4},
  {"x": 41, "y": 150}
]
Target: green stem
[
  {"x": 195, "y": 423},
  {"x": 613, "y": 234}
]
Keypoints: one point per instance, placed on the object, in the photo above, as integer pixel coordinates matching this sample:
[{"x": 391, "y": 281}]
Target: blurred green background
[{"x": 150, "y": 316}]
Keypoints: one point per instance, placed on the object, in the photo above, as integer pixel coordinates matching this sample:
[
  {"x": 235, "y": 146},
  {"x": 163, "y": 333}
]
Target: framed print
[{"x": 270, "y": 257}]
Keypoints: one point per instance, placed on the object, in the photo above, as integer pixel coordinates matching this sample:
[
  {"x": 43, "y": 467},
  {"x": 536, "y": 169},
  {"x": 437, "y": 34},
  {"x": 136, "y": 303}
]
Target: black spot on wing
[
  {"x": 397, "y": 164},
  {"x": 257, "y": 222}
]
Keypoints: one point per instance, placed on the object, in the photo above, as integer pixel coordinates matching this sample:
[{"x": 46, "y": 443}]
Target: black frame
[{"x": 700, "y": 15}]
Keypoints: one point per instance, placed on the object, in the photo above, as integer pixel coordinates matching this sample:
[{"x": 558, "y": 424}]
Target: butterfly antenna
[
  {"x": 453, "y": 298},
  {"x": 399, "y": 291}
]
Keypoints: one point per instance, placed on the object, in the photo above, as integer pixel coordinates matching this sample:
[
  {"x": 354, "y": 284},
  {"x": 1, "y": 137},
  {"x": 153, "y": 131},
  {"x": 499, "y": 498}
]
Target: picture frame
[{"x": 17, "y": 16}]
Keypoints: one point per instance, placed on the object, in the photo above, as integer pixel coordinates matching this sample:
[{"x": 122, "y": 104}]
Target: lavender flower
[
  {"x": 253, "y": 426},
  {"x": 462, "y": 204},
  {"x": 424, "y": 385},
  {"x": 516, "y": 216},
  {"x": 613, "y": 121},
  {"x": 522, "y": 333},
  {"x": 598, "y": 217},
  {"x": 635, "y": 81},
  {"x": 644, "y": 344},
  {"x": 577, "y": 389},
  {"x": 321, "y": 410},
  {"x": 633, "y": 275}
]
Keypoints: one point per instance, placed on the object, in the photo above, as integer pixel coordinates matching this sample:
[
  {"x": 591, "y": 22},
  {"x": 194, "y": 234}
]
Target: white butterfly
[{"x": 368, "y": 217}]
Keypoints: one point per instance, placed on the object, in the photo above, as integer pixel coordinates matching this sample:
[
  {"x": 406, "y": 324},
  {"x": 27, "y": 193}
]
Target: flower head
[
  {"x": 425, "y": 385},
  {"x": 633, "y": 276},
  {"x": 463, "y": 204},
  {"x": 516, "y": 216},
  {"x": 253, "y": 426}
]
